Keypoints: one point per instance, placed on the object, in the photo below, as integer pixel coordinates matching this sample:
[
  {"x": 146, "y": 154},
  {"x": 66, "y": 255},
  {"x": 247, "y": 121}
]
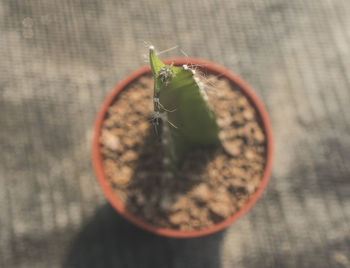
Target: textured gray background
[{"x": 59, "y": 59}]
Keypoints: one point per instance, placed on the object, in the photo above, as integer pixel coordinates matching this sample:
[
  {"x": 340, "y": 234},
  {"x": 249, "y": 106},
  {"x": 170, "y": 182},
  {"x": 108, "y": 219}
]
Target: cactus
[{"x": 181, "y": 112}]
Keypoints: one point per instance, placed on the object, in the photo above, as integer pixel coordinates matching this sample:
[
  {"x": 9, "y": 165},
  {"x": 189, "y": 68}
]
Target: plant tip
[{"x": 151, "y": 47}]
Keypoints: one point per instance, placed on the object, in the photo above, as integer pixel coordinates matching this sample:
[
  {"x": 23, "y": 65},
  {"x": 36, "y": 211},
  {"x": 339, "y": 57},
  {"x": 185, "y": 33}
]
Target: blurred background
[{"x": 58, "y": 61}]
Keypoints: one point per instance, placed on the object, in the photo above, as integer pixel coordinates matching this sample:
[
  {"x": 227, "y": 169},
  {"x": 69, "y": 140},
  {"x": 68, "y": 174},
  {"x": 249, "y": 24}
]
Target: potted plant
[{"x": 183, "y": 153}]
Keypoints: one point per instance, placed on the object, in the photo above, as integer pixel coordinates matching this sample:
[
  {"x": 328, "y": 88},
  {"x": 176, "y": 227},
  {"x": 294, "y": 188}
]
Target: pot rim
[{"x": 209, "y": 68}]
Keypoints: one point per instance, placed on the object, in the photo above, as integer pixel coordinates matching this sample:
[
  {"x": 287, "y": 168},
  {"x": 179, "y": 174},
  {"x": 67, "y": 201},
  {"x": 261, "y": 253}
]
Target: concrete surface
[{"x": 59, "y": 59}]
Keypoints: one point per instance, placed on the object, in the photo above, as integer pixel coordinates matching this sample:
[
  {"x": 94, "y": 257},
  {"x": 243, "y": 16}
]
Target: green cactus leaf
[{"x": 178, "y": 96}]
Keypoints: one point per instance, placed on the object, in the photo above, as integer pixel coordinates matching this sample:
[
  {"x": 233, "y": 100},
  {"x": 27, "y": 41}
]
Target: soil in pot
[{"x": 212, "y": 184}]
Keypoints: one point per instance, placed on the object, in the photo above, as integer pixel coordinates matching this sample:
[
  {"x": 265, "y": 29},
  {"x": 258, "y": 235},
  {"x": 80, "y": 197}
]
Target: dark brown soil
[{"x": 213, "y": 183}]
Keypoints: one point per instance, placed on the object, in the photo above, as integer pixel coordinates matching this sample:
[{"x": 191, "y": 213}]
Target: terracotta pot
[{"x": 206, "y": 67}]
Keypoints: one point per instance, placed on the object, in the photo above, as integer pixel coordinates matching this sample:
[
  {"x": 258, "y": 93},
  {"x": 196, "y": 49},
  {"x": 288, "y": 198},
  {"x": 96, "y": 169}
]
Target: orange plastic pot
[{"x": 208, "y": 68}]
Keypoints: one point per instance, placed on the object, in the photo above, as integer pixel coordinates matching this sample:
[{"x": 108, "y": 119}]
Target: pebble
[
  {"x": 201, "y": 193},
  {"x": 108, "y": 123},
  {"x": 236, "y": 182},
  {"x": 239, "y": 172},
  {"x": 259, "y": 136},
  {"x": 248, "y": 115},
  {"x": 122, "y": 178},
  {"x": 129, "y": 142},
  {"x": 251, "y": 128},
  {"x": 144, "y": 126},
  {"x": 179, "y": 217},
  {"x": 223, "y": 122},
  {"x": 251, "y": 188},
  {"x": 129, "y": 156},
  {"x": 110, "y": 167},
  {"x": 222, "y": 84},
  {"x": 109, "y": 140},
  {"x": 242, "y": 201},
  {"x": 222, "y": 210},
  {"x": 238, "y": 120},
  {"x": 249, "y": 154},
  {"x": 180, "y": 203},
  {"x": 242, "y": 102},
  {"x": 233, "y": 147}
]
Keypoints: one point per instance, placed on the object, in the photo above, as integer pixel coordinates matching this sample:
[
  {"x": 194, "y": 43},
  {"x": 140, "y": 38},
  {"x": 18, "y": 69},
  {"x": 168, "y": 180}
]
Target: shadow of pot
[{"x": 108, "y": 240}]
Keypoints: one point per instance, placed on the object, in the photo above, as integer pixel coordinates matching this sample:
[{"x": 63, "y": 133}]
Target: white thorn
[
  {"x": 183, "y": 52},
  {"x": 196, "y": 79},
  {"x": 185, "y": 67},
  {"x": 169, "y": 49},
  {"x": 151, "y": 47},
  {"x": 193, "y": 71}
]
